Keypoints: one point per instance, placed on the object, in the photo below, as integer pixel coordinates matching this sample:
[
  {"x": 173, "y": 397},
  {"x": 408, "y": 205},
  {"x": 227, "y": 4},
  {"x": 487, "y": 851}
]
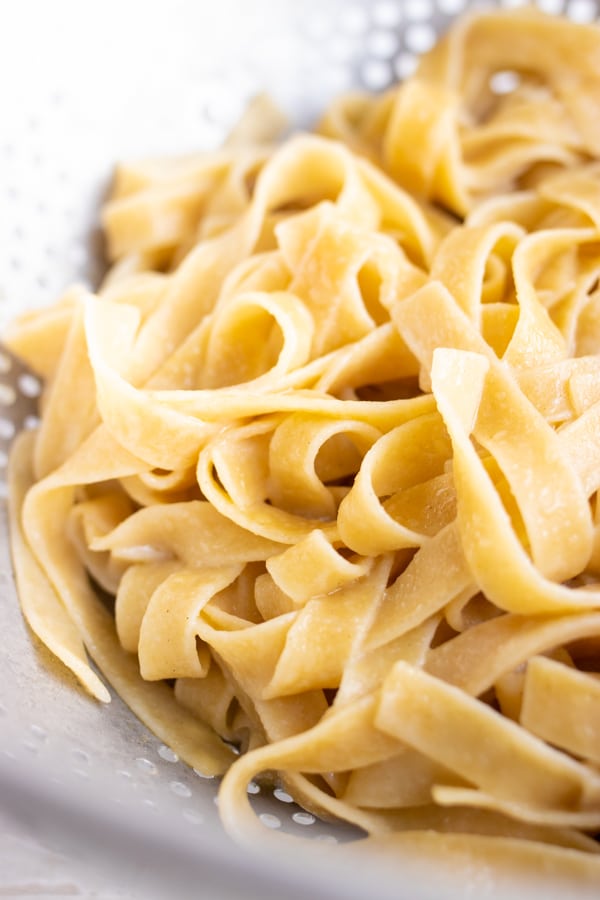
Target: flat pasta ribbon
[{"x": 328, "y": 434}]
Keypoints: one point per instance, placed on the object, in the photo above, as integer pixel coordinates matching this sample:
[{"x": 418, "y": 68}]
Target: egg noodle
[{"x": 329, "y": 434}]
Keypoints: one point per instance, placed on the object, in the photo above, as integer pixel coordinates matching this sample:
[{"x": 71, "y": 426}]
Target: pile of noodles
[{"x": 329, "y": 434}]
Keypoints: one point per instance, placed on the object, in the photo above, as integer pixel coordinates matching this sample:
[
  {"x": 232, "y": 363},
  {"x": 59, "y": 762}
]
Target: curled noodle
[{"x": 329, "y": 433}]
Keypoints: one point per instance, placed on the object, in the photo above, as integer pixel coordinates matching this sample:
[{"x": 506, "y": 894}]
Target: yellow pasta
[{"x": 329, "y": 434}]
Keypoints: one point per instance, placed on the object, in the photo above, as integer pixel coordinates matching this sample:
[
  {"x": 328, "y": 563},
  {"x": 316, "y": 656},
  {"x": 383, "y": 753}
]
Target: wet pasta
[{"x": 329, "y": 434}]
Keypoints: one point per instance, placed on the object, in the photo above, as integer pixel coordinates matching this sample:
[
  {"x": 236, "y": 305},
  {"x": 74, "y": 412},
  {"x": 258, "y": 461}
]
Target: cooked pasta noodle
[{"x": 329, "y": 434}]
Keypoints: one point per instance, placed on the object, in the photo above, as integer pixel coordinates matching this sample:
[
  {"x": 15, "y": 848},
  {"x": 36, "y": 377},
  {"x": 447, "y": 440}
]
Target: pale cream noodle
[{"x": 329, "y": 434}]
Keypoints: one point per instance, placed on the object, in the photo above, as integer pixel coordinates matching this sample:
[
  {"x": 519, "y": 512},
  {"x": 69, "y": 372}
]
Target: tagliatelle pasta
[{"x": 329, "y": 436}]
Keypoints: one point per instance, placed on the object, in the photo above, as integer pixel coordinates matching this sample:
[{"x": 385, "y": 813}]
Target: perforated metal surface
[{"x": 83, "y": 85}]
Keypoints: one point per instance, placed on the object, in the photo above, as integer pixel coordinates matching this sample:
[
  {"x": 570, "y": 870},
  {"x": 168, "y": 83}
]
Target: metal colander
[{"x": 91, "y": 803}]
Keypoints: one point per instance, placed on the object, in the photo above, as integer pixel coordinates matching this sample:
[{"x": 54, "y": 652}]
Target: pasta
[{"x": 328, "y": 440}]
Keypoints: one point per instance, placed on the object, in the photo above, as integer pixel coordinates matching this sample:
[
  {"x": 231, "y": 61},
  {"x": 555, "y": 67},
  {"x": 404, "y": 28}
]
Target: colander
[{"x": 91, "y": 803}]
